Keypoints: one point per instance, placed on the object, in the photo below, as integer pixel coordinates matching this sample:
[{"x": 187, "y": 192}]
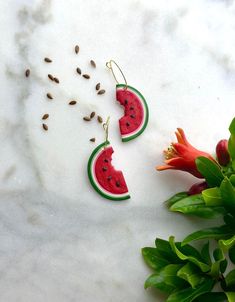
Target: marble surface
[{"x": 60, "y": 241}]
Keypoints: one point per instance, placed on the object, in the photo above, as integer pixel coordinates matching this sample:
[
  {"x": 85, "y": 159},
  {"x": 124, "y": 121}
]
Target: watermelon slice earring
[
  {"x": 136, "y": 113},
  {"x": 107, "y": 181}
]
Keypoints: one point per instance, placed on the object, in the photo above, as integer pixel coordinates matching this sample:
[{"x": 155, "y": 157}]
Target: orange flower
[{"x": 182, "y": 156}]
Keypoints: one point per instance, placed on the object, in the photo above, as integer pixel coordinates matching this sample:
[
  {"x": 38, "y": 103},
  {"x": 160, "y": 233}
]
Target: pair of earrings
[{"x": 105, "y": 179}]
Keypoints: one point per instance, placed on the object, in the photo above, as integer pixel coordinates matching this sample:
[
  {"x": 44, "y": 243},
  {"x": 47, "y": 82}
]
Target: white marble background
[{"x": 60, "y": 241}]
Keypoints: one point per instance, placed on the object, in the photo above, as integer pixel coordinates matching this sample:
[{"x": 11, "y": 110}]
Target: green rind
[
  {"x": 89, "y": 169},
  {"x": 146, "y": 109}
]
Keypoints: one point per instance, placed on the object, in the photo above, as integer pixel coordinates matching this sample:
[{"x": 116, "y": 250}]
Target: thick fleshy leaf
[
  {"x": 210, "y": 170},
  {"x": 225, "y": 245},
  {"x": 228, "y": 195},
  {"x": 206, "y": 253},
  {"x": 212, "y": 297},
  {"x": 153, "y": 258},
  {"x": 215, "y": 267},
  {"x": 190, "y": 294},
  {"x": 230, "y": 280},
  {"x": 195, "y": 205},
  {"x": 231, "y": 142},
  {"x": 223, "y": 231},
  {"x": 230, "y": 296},
  {"x": 229, "y": 220},
  {"x": 191, "y": 273},
  {"x": 212, "y": 197},
  {"x": 232, "y": 254},
  {"x": 196, "y": 260},
  {"x": 169, "y": 202},
  {"x": 166, "y": 279}
]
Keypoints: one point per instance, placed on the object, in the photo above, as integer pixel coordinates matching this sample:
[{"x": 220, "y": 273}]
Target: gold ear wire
[{"x": 109, "y": 65}]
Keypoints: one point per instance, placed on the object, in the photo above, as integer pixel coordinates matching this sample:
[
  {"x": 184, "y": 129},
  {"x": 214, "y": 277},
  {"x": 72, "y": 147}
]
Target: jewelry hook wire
[{"x": 109, "y": 65}]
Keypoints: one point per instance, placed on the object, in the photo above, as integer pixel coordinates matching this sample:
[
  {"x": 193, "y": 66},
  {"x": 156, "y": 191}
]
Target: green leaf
[
  {"x": 212, "y": 297},
  {"x": 195, "y": 205},
  {"x": 166, "y": 279},
  {"x": 165, "y": 250},
  {"x": 225, "y": 245},
  {"x": 205, "y": 253},
  {"x": 232, "y": 254},
  {"x": 212, "y": 197},
  {"x": 228, "y": 195},
  {"x": 215, "y": 267},
  {"x": 190, "y": 294},
  {"x": 190, "y": 273},
  {"x": 229, "y": 220},
  {"x": 230, "y": 296},
  {"x": 232, "y": 179},
  {"x": 196, "y": 260},
  {"x": 153, "y": 258},
  {"x": 213, "y": 233},
  {"x": 231, "y": 142},
  {"x": 210, "y": 170},
  {"x": 230, "y": 280},
  {"x": 176, "y": 198}
]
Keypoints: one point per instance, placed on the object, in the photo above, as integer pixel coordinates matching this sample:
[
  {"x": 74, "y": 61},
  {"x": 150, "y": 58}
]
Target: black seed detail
[
  {"x": 126, "y": 102},
  {"x": 132, "y": 116},
  {"x": 109, "y": 177},
  {"x": 117, "y": 183},
  {"x": 106, "y": 160},
  {"x": 127, "y": 124},
  {"x": 104, "y": 168},
  {"x": 131, "y": 108}
]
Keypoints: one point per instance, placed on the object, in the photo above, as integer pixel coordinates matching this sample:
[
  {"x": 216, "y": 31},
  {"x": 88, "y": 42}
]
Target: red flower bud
[
  {"x": 222, "y": 152},
  {"x": 197, "y": 188}
]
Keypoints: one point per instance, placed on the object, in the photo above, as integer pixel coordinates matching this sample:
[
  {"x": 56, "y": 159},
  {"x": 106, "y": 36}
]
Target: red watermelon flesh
[
  {"x": 135, "y": 118},
  {"x": 110, "y": 179}
]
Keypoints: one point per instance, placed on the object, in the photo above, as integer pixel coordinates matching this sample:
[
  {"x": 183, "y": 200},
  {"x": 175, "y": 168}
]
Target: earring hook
[{"x": 109, "y": 65}]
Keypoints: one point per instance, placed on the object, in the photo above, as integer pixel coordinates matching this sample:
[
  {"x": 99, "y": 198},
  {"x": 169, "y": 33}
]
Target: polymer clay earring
[
  {"x": 136, "y": 113},
  {"x": 104, "y": 178}
]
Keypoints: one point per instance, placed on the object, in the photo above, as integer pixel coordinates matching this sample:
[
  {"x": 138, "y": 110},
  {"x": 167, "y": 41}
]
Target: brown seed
[
  {"x": 93, "y": 63},
  {"x": 86, "y": 118},
  {"x": 86, "y": 76},
  {"x": 27, "y": 73},
  {"x": 49, "y": 96},
  {"x": 92, "y": 114},
  {"x": 118, "y": 183},
  {"x": 97, "y": 87},
  {"x": 79, "y": 70},
  {"x": 56, "y": 80},
  {"x": 50, "y": 76},
  {"x": 76, "y": 49},
  {"x": 102, "y": 91},
  {"x": 92, "y": 139},
  {"x": 45, "y": 127},
  {"x": 99, "y": 119},
  {"x": 45, "y": 116},
  {"x": 47, "y": 60},
  {"x": 72, "y": 103}
]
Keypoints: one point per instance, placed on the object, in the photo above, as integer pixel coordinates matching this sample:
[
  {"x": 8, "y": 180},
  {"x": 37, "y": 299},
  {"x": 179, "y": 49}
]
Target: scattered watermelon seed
[
  {"x": 50, "y": 76},
  {"x": 56, "y": 80},
  {"x": 99, "y": 118},
  {"x": 79, "y": 70},
  {"x": 117, "y": 183},
  {"x": 27, "y": 73},
  {"x": 86, "y": 118},
  {"x": 45, "y": 127},
  {"x": 92, "y": 114},
  {"x": 76, "y": 49},
  {"x": 86, "y": 76},
  {"x": 92, "y": 139},
  {"x": 97, "y": 87},
  {"x": 93, "y": 63},
  {"x": 102, "y": 91},
  {"x": 45, "y": 116},
  {"x": 72, "y": 103},
  {"x": 49, "y": 96},
  {"x": 47, "y": 60}
]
